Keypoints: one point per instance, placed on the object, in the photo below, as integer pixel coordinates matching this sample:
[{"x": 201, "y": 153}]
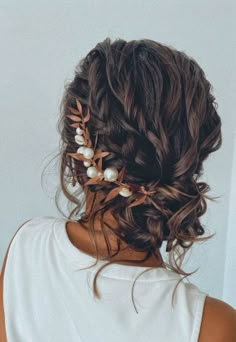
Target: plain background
[{"x": 41, "y": 43}]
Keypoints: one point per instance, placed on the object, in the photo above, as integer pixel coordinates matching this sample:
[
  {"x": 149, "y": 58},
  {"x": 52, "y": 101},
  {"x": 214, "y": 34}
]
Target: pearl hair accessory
[{"x": 89, "y": 155}]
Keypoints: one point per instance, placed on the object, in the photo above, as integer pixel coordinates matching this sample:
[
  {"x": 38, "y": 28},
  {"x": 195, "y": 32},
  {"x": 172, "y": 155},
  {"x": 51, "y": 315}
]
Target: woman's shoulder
[
  {"x": 218, "y": 322},
  {"x": 37, "y": 223}
]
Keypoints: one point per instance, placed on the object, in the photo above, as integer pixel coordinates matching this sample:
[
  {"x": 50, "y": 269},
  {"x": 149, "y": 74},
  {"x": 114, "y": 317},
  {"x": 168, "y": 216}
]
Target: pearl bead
[
  {"x": 92, "y": 172},
  {"x": 111, "y": 174},
  {"x": 125, "y": 192},
  {"x": 81, "y": 149},
  {"x": 79, "y": 131},
  {"x": 79, "y": 139},
  {"x": 87, "y": 163},
  {"x": 88, "y": 153}
]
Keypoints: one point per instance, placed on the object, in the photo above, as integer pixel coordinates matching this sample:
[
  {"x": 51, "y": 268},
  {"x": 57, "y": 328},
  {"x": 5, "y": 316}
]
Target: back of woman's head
[{"x": 151, "y": 106}]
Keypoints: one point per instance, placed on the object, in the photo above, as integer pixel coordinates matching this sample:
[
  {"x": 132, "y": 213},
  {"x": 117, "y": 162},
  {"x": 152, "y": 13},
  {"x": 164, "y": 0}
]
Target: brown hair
[{"x": 152, "y": 107}]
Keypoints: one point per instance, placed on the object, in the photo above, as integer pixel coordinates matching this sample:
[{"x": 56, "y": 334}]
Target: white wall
[
  {"x": 229, "y": 293},
  {"x": 41, "y": 42}
]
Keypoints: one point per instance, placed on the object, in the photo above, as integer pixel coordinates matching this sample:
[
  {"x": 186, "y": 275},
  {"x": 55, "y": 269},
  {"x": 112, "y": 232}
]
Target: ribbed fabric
[{"x": 47, "y": 298}]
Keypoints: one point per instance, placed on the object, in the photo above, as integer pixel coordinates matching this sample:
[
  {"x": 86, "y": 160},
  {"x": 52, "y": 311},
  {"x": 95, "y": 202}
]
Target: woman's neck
[{"x": 78, "y": 233}]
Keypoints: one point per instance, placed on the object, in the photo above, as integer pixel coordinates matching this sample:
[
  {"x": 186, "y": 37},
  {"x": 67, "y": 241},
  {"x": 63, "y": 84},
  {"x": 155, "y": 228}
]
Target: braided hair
[{"x": 152, "y": 107}]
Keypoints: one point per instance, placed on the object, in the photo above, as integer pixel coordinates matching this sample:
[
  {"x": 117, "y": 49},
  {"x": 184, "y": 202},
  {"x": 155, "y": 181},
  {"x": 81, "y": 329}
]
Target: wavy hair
[{"x": 152, "y": 107}]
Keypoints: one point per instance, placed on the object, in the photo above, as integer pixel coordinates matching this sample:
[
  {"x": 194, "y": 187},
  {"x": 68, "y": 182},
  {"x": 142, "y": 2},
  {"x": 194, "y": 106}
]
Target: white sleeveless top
[{"x": 48, "y": 298}]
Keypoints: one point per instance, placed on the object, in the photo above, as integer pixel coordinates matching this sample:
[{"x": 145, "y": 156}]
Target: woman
[{"x": 138, "y": 121}]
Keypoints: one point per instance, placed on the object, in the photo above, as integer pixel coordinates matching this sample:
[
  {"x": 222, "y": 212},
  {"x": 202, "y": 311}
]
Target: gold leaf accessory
[{"x": 92, "y": 159}]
